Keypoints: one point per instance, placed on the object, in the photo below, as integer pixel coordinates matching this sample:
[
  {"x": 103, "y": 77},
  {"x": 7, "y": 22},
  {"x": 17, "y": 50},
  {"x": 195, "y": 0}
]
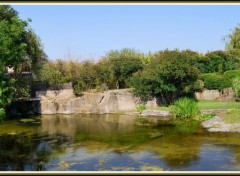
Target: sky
[{"x": 90, "y": 31}]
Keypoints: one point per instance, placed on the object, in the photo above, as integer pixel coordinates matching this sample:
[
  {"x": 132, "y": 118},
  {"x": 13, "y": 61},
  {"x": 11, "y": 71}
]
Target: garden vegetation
[{"x": 168, "y": 74}]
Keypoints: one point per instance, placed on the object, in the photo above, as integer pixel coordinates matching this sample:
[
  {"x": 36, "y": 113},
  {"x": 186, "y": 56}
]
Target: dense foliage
[
  {"x": 169, "y": 75},
  {"x": 185, "y": 108},
  {"x": 233, "y": 41},
  {"x": 111, "y": 72},
  {"x": 20, "y": 49},
  {"x": 236, "y": 86},
  {"x": 231, "y": 74},
  {"x": 216, "y": 81}
]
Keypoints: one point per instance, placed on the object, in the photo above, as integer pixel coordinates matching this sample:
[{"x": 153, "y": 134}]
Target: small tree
[
  {"x": 236, "y": 86},
  {"x": 233, "y": 41},
  {"x": 169, "y": 76},
  {"x": 123, "y": 64}
]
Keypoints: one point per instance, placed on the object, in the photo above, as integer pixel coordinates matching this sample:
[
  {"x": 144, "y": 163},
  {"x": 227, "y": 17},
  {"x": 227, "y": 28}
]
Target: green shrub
[
  {"x": 236, "y": 86},
  {"x": 215, "y": 81},
  {"x": 140, "y": 107},
  {"x": 231, "y": 74},
  {"x": 198, "y": 85},
  {"x": 185, "y": 108}
]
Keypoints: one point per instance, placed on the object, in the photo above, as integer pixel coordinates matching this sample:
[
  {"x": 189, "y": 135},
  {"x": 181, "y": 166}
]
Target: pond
[{"x": 113, "y": 143}]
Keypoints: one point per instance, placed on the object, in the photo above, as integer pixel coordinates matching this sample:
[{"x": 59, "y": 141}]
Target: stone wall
[
  {"x": 225, "y": 95},
  {"x": 65, "y": 102}
]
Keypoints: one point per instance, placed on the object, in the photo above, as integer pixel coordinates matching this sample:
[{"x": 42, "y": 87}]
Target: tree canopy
[
  {"x": 20, "y": 49},
  {"x": 233, "y": 41}
]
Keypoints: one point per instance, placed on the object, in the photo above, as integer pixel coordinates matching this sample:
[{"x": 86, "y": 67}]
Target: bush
[
  {"x": 168, "y": 76},
  {"x": 231, "y": 74},
  {"x": 198, "y": 85},
  {"x": 185, "y": 108},
  {"x": 216, "y": 81},
  {"x": 140, "y": 107},
  {"x": 236, "y": 86}
]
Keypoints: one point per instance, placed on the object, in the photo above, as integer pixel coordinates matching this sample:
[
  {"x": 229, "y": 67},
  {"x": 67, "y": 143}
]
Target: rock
[
  {"x": 155, "y": 113},
  {"x": 216, "y": 124},
  {"x": 216, "y": 120},
  {"x": 90, "y": 103}
]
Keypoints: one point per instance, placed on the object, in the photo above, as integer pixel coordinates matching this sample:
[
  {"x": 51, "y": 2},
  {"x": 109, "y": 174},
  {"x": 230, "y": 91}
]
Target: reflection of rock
[
  {"x": 155, "y": 113},
  {"x": 58, "y": 124},
  {"x": 70, "y": 124}
]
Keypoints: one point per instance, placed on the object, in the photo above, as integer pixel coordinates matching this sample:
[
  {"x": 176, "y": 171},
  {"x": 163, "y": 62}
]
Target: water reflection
[
  {"x": 71, "y": 124},
  {"x": 113, "y": 142}
]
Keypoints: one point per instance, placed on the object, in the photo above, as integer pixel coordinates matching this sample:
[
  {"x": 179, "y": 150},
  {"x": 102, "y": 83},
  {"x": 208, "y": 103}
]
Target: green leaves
[
  {"x": 167, "y": 76},
  {"x": 185, "y": 108},
  {"x": 19, "y": 49},
  {"x": 215, "y": 81}
]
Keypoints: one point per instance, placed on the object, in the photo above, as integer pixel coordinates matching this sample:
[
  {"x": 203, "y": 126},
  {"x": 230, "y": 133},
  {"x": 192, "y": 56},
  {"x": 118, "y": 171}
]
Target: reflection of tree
[
  {"x": 15, "y": 152},
  {"x": 20, "y": 152},
  {"x": 175, "y": 150}
]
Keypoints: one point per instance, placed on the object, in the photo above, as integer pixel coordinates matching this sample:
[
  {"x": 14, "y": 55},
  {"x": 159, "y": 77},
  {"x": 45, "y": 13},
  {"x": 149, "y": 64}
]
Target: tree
[
  {"x": 20, "y": 49},
  {"x": 221, "y": 61},
  {"x": 169, "y": 76},
  {"x": 123, "y": 64},
  {"x": 233, "y": 41}
]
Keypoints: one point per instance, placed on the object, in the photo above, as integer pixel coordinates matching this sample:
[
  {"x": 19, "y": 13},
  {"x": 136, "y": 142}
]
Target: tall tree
[
  {"x": 233, "y": 41},
  {"x": 20, "y": 48},
  {"x": 123, "y": 63}
]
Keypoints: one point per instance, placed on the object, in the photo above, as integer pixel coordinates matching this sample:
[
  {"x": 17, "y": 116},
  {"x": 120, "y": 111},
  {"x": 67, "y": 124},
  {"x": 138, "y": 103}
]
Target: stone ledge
[{"x": 216, "y": 124}]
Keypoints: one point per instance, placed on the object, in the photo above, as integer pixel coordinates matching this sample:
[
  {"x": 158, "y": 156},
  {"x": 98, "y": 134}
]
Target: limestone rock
[
  {"x": 216, "y": 124},
  {"x": 89, "y": 103}
]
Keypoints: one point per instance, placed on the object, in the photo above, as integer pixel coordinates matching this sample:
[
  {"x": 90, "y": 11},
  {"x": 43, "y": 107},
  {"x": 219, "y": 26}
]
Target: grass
[
  {"x": 232, "y": 116},
  {"x": 208, "y": 104}
]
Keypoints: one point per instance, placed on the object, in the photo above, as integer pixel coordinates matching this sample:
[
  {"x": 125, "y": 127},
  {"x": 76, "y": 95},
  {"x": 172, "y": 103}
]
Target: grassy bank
[
  {"x": 209, "y": 104},
  {"x": 232, "y": 116}
]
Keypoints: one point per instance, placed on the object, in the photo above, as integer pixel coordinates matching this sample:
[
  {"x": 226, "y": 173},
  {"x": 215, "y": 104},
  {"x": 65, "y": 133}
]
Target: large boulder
[{"x": 96, "y": 103}]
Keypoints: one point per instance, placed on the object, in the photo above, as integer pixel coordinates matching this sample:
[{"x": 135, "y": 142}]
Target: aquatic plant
[{"x": 140, "y": 107}]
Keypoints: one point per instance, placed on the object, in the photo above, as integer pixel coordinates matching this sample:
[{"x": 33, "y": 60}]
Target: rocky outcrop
[
  {"x": 224, "y": 95},
  {"x": 216, "y": 124},
  {"x": 65, "y": 102}
]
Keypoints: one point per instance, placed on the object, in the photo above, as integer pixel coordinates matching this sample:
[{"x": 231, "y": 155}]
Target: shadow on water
[{"x": 113, "y": 142}]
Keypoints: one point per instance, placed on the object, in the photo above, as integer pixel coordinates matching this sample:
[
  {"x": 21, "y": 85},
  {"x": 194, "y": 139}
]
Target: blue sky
[{"x": 90, "y": 31}]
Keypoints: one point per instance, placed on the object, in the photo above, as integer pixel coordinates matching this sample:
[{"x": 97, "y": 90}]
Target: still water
[{"x": 113, "y": 143}]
